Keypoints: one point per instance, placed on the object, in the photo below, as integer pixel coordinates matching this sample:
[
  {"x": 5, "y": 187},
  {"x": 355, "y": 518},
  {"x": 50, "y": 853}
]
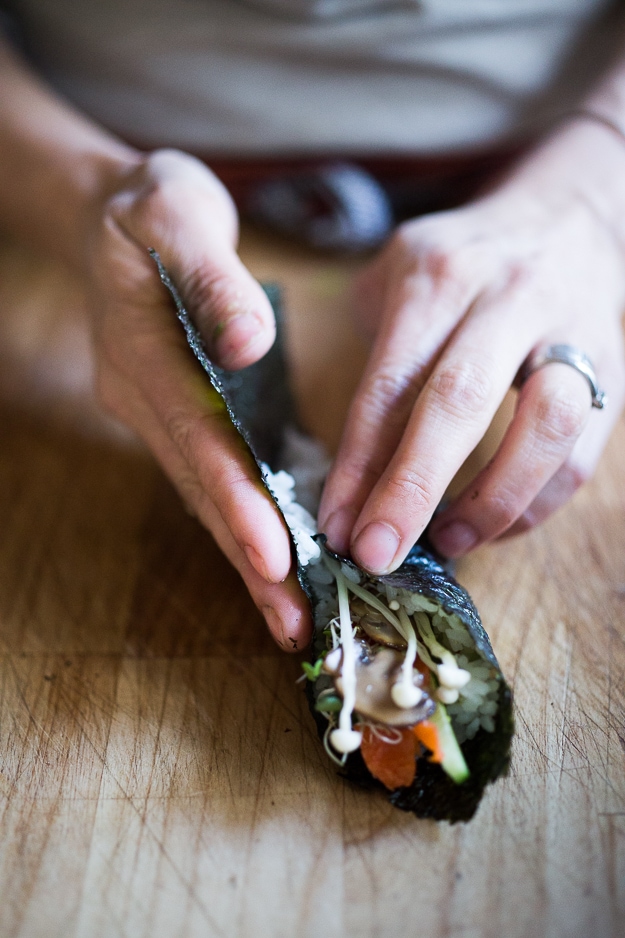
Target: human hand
[
  {"x": 148, "y": 378},
  {"x": 459, "y": 299}
]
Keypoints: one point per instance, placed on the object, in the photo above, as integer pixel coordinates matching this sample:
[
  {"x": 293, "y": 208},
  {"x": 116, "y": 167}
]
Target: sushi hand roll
[
  {"x": 403, "y": 683},
  {"x": 403, "y": 662}
]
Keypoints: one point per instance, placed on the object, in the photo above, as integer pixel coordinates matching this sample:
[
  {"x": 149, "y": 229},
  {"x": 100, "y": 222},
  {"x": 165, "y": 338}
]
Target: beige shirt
[{"x": 268, "y": 77}]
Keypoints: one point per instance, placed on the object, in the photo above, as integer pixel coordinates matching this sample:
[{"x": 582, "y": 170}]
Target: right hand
[{"x": 148, "y": 378}]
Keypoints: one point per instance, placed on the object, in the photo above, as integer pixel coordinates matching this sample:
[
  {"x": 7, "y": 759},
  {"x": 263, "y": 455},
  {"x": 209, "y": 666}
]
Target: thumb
[{"x": 177, "y": 206}]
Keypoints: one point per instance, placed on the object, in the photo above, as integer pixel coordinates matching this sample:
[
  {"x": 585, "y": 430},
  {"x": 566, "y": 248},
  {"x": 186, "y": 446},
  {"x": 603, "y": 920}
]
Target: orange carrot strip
[
  {"x": 394, "y": 764},
  {"x": 427, "y": 734}
]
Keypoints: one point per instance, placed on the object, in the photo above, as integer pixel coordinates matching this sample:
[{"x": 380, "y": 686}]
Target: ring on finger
[{"x": 564, "y": 355}]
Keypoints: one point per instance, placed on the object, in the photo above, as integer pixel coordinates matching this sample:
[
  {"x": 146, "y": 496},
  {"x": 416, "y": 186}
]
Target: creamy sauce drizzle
[{"x": 345, "y": 739}]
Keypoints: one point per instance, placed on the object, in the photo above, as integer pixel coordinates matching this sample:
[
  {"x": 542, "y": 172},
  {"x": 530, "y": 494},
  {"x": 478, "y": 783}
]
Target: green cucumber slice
[{"x": 453, "y": 761}]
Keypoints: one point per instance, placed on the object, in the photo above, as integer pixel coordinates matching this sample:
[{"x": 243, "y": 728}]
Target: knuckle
[
  {"x": 149, "y": 205},
  {"x": 518, "y": 274},
  {"x": 425, "y": 248},
  {"x": 183, "y": 430},
  {"x": 165, "y": 199},
  {"x": 190, "y": 434},
  {"x": 462, "y": 387},
  {"x": 360, "y": 470},
  {"x": 190, "y": 492},
  {"x": 574, "y": 476},
  {"x": 440, "y": 264},
  {"x": 208, "y": 290},
  {"x": 432, "y": 250},
  {"x": 215, "y": 474},
  {"x": 168, "y": 173},
  {"x": 409, "y": 487},
  {"x": 502, "y": 511},
  {"x": 386, "y": 390},
  {"x": 232, "y": 486},
  {"x": 561, "y": 417},
  {"x": 402, "y": 242}
]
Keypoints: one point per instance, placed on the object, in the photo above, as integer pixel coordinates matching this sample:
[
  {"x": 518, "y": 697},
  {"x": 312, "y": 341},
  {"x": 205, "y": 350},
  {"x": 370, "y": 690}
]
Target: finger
[
  {"x": 284, "y": 605},
  {"x": 184, "y": 421},
  {"x": 556, "y": 493},
  {"x": 143, "y": 340},
  {"x": 581, "y": 464},
  {"x": 449, "y": 418},
  {"x": 184, "y": 212},
  {"x": 417, "y": 324},
  {"x": 553, "y": 409}
]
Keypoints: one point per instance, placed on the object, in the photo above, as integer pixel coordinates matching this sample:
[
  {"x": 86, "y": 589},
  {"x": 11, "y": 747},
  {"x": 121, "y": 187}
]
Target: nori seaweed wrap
[
  {"x": 485, "y": 738},
  {"x": 411, "y": 693}
]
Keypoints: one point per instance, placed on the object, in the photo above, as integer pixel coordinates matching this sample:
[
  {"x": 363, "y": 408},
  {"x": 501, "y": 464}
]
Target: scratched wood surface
[{"x": 159, "y": 772}]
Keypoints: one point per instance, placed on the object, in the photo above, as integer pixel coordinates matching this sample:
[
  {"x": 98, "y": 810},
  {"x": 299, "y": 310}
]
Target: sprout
[
  {"x": 454, "y": 678},
  {"x": 344, "y": 740},
  {"x": 312, "y": 671},
  {"x": 446, "y": 695},
  {"x": 328, "y": 702},
  {"x": 404, "y": 692},
  {"x": 406, "y": 695},
  {"x": 449, "y": 674}
]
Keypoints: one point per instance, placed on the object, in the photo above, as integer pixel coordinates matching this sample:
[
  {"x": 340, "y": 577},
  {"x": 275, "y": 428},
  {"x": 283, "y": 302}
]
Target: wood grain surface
[{"x": 160, "y": 775}]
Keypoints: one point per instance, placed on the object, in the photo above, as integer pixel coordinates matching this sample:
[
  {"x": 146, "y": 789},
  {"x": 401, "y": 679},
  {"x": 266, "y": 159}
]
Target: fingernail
[
  {"x": 258, "y": 562},
  {"x": 233, "y": 336},
  {"x": 376, "y": 546},
  {"x": 455, "y": 539},
  {"x": 338, "y": 528},
  {"x": 275, "y": 625}
]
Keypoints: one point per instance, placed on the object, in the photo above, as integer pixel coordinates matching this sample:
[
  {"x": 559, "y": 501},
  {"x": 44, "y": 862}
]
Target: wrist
[
  {"x": 57, "y": 165},
  {"x": 53, "y": 190},
  {"x": 582, "y": 162}
]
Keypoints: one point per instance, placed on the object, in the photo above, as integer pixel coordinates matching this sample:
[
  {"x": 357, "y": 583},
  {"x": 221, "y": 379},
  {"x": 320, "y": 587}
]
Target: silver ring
[{"x": 564, "y": 355}]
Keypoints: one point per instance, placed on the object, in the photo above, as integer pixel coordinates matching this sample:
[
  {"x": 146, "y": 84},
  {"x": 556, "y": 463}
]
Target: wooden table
[{"x": 159, "y": 772}]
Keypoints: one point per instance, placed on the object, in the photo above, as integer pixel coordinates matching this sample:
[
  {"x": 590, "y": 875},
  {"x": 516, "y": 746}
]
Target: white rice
[
  {"x": 301, "y": 523},
  {"x": 308, "y": 463},
  {"x": 477, "y": 701}
]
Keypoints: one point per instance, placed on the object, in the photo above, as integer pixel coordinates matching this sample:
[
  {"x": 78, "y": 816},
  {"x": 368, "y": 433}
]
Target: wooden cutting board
[{"x": 160, "y": 775}]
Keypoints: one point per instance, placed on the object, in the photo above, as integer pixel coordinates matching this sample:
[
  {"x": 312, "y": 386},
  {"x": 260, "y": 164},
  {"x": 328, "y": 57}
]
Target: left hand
[
  {"x": 148, "y": 378},
  {"x": 459, "y": 299}
]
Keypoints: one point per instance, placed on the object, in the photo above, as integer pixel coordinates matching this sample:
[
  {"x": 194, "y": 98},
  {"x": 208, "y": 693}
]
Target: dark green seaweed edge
[
  {"x": 261, "y": 428},
  {"x": 433, "y": 794}
]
